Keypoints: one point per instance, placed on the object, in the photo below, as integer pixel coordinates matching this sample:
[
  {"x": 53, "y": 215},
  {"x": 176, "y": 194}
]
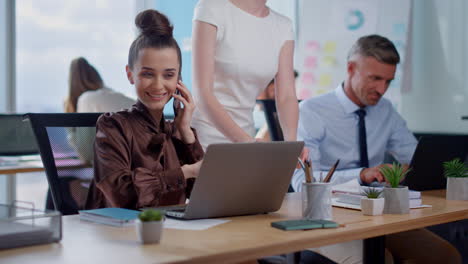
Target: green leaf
[
  {"x": 151, "y": 215},
  {"x": 455, "y": 168},
  {"x": 394, "y": 174},
  {"x": 372, "y": 193}
]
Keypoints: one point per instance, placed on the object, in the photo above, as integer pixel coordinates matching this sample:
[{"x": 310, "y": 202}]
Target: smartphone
[{"x": 176, "y": 103}]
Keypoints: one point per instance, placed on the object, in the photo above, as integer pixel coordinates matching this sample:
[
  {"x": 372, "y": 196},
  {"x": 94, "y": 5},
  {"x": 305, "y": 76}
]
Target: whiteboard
[{"x": 327, "y": 30}]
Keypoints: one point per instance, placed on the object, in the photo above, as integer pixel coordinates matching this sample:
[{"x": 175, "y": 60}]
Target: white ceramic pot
[
  {"x": 457, "y": 188},
  {"x": 396, "y": 200},
  {"x": 372, "y": 206},
  {"x": 149, "y": 232}
]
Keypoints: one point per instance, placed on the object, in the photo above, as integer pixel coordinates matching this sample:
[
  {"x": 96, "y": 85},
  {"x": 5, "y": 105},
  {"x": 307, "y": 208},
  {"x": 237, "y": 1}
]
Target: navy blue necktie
[{"x": 362, "y": 138}]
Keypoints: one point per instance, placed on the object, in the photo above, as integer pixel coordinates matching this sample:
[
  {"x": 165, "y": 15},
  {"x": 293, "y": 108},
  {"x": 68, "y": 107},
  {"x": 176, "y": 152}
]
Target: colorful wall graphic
[{"x": 327, "y": 30}]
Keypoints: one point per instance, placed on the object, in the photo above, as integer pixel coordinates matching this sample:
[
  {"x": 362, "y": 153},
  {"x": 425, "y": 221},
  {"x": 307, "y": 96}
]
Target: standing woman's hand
[{"x": 183, "y": 116}]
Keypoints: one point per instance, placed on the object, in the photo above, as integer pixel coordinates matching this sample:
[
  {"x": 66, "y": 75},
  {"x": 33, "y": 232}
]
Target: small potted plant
[
  {"x": 396, "y": 196},
  {"x": 456, "y": 173},
  {"x": 149, "y": 226},
  {"x": 372, "y": 203}
]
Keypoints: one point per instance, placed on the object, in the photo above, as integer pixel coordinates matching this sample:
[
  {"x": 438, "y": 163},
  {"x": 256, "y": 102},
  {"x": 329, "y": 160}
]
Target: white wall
[{"x": 438, "y": 95}]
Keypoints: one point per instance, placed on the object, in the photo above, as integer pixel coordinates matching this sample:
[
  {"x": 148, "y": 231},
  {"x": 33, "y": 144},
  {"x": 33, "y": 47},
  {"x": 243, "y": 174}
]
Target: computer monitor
[
  {"x": 431, "y": 152},
  {"x": 16, "y": 136}
]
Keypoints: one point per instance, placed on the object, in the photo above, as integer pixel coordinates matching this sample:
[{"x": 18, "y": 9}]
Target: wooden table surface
[
  {"x": 36, "y": 166},
  {"x": 243, "y": 238}
]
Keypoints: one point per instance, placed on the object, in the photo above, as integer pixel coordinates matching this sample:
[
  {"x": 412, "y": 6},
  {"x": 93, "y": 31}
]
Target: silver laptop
[{"x": 241, "y": 179}]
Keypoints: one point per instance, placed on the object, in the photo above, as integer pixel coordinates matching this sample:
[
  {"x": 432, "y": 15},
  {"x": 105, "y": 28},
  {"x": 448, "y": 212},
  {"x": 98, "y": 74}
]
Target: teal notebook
[
  {"x": 303, "y": 224},
  {"x": 110, "y": 216}
]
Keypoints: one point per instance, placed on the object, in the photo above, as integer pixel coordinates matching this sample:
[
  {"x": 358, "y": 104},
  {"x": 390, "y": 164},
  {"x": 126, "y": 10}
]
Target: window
[{"x": 49, "y": 35}]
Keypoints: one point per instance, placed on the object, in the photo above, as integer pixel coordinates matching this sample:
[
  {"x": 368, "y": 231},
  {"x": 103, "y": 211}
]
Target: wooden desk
[
  {"x": 37, "y": 166},
  {"x": 244, "y": 238}
]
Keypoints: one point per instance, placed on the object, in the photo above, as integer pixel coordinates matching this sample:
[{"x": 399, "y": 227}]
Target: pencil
[
  {"x": 309, "y": 175},
  {"x": 306, "y": 171},
  {"x": 331, "y": 171}
]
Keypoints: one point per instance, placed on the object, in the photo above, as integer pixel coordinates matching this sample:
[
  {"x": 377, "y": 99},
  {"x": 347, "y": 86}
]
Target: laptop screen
[
  {"x": 16, "y": 136},
  {"x": 431, "y": 152}
]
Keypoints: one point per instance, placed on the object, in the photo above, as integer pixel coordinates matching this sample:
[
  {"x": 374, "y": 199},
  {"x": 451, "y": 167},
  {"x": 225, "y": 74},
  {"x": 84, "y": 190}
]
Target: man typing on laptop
[{"x": 356, "y": 125}]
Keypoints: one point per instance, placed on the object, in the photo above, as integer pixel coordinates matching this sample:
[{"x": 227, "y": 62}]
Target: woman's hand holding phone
[{"x": 183, "y": 116}]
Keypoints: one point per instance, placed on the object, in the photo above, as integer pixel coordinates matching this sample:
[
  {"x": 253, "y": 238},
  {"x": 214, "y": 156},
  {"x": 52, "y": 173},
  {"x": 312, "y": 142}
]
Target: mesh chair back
[
  {"x": 274, "y": 128},
  {"x": 271, "y": 117},
  {"x": 65, "y": 144}
]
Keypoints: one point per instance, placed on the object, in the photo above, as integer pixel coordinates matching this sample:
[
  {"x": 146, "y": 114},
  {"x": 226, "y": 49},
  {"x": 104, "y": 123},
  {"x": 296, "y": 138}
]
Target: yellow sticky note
[
  {"x": 329, "y": 61},
  {"x": 329, "y": 47},
  {"x": 325, "y": 80}
]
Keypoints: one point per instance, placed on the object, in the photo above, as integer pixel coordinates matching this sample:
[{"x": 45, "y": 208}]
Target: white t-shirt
[
  {"x": 103, "y": 100},
  {"x": 246, "y": 60}
]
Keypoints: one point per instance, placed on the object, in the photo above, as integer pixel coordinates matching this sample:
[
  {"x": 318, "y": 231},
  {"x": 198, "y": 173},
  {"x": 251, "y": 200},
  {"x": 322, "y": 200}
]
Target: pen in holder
[{"x": 316, "y": 201}]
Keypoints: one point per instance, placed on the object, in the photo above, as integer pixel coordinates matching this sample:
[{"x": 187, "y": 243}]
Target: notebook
[
  {"x": 348, "y": 195},
  {"x": 354, "y": 201},
  {"x": 303, "y": 224},
  {"x": 241, "y": 179},
  {"x": 353, "y": 187},
  {"x": 110, "y": 216}
]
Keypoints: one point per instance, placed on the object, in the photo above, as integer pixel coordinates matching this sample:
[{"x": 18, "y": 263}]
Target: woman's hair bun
[{"x": 153, "y": 23}]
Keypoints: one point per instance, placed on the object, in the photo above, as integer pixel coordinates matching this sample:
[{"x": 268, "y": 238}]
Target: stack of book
[
  {"x": 349, "y": 195},
  {"x": 110, "y": 216}
]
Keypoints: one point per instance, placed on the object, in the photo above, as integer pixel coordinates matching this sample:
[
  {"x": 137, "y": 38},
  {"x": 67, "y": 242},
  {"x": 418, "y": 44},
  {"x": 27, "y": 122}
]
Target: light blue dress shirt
[{"x": 329, "y": 128}]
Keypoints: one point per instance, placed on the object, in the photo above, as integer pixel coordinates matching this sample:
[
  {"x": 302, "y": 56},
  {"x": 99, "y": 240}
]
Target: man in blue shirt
[
  {"x": 330, "y": 127},
  {"x": 328, "y": 124}
]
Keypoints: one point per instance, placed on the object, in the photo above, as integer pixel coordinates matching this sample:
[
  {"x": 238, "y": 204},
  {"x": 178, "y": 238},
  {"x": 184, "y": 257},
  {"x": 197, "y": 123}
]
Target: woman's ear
[{"x": 129, "y": 74}]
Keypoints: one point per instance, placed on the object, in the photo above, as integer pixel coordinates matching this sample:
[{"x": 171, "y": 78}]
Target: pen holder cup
[{"x": 316, "y": 201}]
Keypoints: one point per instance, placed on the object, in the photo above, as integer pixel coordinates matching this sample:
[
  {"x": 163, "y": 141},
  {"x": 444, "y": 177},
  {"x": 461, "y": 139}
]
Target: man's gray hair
[{"x": 378, "y": 47}]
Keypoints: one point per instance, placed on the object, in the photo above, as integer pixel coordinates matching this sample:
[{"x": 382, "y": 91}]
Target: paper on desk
[
  {"x": 337, "y": 203},
  {"x": 351, "y": 186},
  {"x": 201, "y": 224}
]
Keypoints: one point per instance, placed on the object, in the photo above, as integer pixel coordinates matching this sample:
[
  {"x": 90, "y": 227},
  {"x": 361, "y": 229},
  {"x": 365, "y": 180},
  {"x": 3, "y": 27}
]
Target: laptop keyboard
[{"x": 176, "y": 208}]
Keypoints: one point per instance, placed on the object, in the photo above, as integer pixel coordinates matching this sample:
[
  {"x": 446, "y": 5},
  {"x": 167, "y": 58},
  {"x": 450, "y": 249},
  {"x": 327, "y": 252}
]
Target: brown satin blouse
[{"x": 137, "y": 162}]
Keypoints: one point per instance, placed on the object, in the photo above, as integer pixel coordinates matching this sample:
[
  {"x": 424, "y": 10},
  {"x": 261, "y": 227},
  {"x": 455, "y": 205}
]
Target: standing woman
[{"x": 238, "y": 48}]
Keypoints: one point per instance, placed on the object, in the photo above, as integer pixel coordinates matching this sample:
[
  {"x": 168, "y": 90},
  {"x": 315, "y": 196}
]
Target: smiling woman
[{"x": 142, "y": 159}]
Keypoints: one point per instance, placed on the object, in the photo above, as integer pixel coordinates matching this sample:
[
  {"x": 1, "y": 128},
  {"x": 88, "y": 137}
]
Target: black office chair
[
  {"x": 271, "y": 117},
  {"x": 65, "y": 144},
  {"x": 451, "y": 146},
  {"x": 274, "y": 127}
]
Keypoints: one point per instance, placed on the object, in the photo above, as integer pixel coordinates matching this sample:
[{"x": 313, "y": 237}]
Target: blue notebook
[{"x": 110, "y": 216}]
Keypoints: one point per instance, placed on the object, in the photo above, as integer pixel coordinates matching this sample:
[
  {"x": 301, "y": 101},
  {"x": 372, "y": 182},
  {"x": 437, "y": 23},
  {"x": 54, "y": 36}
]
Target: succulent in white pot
[
  {"x": 456, "y": 173},
  {"x": 396, "y": 196},
  {"x": 372, "y": 203},
  {"x": 149, "y": 226}
]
